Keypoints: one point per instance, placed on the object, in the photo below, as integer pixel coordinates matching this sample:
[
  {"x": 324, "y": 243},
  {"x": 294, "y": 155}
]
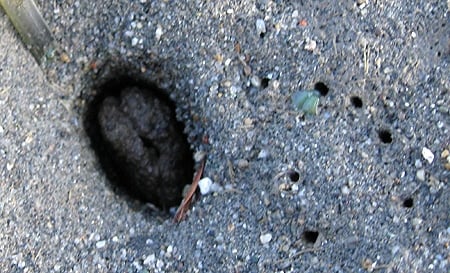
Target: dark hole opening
[
  {"x": 385, "y": 136},
  {"x": 356, "y": 101},
  {"x": 322, "y": 88},
  {"x": 294, "y": 176},
  {"x": 408, "y": 203},
  {"x": 310, "y": 236},
  {"x": 138, "y": 141},
  {"x": 265, "y": 82},
  {"x": 262, "y": 34}
]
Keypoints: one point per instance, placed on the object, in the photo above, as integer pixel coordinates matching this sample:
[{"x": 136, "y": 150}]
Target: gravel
[{"x": 368, "y": 198}]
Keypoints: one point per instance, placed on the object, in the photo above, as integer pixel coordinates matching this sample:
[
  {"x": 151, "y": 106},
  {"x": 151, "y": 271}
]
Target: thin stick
[{"x": 187, "y": 200}]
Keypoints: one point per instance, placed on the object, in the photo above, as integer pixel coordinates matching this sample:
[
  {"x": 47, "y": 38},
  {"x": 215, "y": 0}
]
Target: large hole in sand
[{"x": 138, "y": 140}]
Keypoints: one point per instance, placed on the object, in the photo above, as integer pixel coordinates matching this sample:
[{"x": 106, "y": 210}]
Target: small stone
[
  {"x": 265, "y": 238},
  {"x": 445, "y": 153},
  {"x": 263, "y": 154},
  {"x": 134, "y": 41},
  {"x": 418, "y": 163},
  {"x": 21, "y": 264},
  {"x": 310, "y": 45},
  {"x": 284, "y": 187},
  {"x": 420, "y": 174},
  {"x": 226, "y": 83},
  {"x": 100, "y": 244},
  {"x": 248, "y": 122},
  {"x": 275, "y": 84},
  {"x": 367, "y": 264},
  {"x": 447, "y": 166},
  {"x": 416, "y": 222},
  {"x": 255, "y": 81},
  {"x": 9, "y": 166},
  {"x": 345, "y": 190},
  {"x": 150, "y": 259},
  {"x": 159, "y": 264},
  {"x": 205, "y": 185},
  {"x": 199, "y": 155},
  {"x": 428, "y": 155},
  {"x": 159, "y": 32},
  {"x": 260, "y": 26},
  {"x": 388, "y": 70},
  {"x": 242, "y": 163},
  {"x": 64, "y": 58},
  {"x": 186, "y": 189},
  {"x": 169, "y": 249},
  {"x": 247, "y": 70}
]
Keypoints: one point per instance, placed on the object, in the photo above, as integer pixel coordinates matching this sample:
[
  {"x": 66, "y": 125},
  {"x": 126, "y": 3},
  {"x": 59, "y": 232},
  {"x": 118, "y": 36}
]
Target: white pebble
[
  {"x": 260, "y": 26},
  {"x": 428, "y": 155},
  {"x": 159, "y": 264},
  {"x": 159, "y": 32},
  {"x": 199, "y": 155},
  {"x": 134, "y": 41},
  {"x": 265, "y": 238},
  {"x": 263, "y": 154},
  {"x": 9, "y": 166},
  {"x": 100, "y": 244},
  {"x": 150, "y": 259},
  {"x": 255, "y": 81},
  {"x": 418, "y": 163},
  {"x": 169, "y": 249},
  {"x": 420, "y": 174},
  {"x": 205, "y": 185},
  {"x": 345, "y": 190},
  {"x": 310, "y": 45}
]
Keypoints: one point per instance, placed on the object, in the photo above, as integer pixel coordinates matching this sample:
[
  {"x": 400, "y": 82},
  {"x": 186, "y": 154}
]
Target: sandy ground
[{"x": 363, "y": 186}]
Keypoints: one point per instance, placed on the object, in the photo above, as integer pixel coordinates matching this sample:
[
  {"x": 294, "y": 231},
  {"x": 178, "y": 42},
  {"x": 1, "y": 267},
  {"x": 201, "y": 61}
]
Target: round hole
[
  {"x": 139, "y": 143},
  {"x": 265, "y": 82},
  {"x": 322, "y": 88},
  {"x": 294, "y": 176},
  {"x": 356, "y": 101},
  {"x": 385, "y": 136},
  {"x": 408, "y": 203},
  {"x": 310, "y": 236}
]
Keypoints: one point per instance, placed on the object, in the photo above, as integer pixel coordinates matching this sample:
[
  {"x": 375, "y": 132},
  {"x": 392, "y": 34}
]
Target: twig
[{"x": 187, "y": 200}]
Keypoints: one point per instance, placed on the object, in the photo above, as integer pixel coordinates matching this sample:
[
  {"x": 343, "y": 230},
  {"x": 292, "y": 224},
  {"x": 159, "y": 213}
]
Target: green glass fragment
[{"x": 306, "y": 101}]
